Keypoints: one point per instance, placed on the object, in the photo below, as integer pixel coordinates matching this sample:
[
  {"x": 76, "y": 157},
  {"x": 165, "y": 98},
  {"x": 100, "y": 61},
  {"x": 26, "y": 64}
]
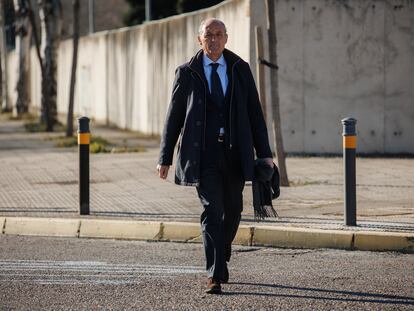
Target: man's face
[{"x": 213, "y": 40}]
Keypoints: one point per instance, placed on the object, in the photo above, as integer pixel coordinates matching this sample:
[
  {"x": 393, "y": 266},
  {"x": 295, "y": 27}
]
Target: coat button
[
  {"x": 194, "y": 162},
  {"x": 200, "y": 101},
  {"x": 196, "y": 144},
  {"x": 220, "y": 115},
  {"x": 198, "y": 123}
]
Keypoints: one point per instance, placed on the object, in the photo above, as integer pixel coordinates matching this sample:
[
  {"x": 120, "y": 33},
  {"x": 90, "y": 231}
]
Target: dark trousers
[{"x": 220, "y": 193}]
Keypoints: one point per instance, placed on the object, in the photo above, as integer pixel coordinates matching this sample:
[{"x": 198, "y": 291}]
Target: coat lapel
[{"x": 196, "y": 64}]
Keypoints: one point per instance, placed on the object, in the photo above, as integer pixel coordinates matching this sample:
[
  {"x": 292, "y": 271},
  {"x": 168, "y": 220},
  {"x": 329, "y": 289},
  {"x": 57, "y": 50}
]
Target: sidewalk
[{"x": 40, "y": 180}]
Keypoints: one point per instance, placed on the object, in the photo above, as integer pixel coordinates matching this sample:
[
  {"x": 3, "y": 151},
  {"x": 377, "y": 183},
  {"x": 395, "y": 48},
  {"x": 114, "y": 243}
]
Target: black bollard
[
  {"x": 349, "y": 142},
  {"x": 83, "y": 142}
]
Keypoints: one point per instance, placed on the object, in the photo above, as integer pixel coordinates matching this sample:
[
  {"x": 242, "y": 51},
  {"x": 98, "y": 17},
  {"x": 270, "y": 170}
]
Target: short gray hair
[{"x": 215, "y": 20}]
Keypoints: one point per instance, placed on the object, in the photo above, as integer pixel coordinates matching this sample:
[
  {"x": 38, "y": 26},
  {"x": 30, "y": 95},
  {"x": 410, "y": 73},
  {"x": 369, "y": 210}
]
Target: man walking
[{"x": 215, "y": 110}]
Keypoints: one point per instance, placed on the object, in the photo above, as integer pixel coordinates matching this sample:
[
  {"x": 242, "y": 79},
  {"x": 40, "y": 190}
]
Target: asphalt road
[{"x": 81, "y": 274}]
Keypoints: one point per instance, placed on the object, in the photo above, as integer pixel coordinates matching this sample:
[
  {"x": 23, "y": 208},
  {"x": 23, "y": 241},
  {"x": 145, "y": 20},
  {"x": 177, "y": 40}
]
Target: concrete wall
[
  {"x": 345, "y": 58},
  {"x": 337, "y": 58},
  {"x": 125, "y": 77}
]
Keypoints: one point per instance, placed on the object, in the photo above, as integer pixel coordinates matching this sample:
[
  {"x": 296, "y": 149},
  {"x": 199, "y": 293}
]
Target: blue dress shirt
[{"x": 221, "y": 71}]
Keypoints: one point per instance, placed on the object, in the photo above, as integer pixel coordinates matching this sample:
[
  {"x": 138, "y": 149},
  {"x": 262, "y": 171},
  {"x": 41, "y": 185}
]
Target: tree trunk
[
  {"x": 3, "y": 62},
  {"x": 260, "y": 77},
  {"x": 51, "y": 20},
  {"x": 280, "y": 153},
  {"x": 69, "y": 123},
  {"x": 23, "y": 31}
]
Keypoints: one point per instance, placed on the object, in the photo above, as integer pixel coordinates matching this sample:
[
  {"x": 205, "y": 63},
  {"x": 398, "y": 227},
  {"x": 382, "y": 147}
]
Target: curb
[
  {"x": 384, "y": 241},
  {"x": 302, "y": 237},
  {"x": 273, "y": 236},
  {"x": 41, "y": 226},
  {"x": 119, "y": 229}
]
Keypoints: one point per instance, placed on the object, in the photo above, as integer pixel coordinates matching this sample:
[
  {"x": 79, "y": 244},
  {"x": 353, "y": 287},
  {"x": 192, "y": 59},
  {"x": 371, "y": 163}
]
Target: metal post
[
  {"x": 83, "y": 142},
  {"x": 349, "y": 142},
  {"x": 91, "y": 13},
  {"x": 148, "y": 10}
]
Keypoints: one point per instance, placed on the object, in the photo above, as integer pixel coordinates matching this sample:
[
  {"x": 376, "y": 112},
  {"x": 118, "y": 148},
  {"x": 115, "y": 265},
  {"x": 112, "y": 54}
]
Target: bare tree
[
  {"x": 50, "y": 15},
  {"x": 50, "y": 12},
  {"x": 32, "y": 19},
  {"x": 3, "y": 60},
  {"x": 23, "y": 32},
  {"x": 274, "y": 80},
  {"x": 69, "y": 123}
]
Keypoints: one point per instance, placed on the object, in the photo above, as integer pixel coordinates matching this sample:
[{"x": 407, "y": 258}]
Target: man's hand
[
  {"x": 269, "y": 161},
  {"x": 163, "y": 171}
]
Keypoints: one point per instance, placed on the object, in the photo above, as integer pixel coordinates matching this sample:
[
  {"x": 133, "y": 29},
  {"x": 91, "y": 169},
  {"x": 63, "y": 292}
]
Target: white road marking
[
  {"x": 71, "y": 281},
  {"x": 86, "y": 272}
]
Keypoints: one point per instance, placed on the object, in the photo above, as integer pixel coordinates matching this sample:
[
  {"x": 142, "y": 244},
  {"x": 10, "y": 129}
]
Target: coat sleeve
[
  {"x": 175, "y": 118},
  {"x": 257, "y": 121}
]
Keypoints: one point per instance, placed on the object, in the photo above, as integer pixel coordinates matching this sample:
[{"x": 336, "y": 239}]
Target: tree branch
[{"x": 35, "y": 36}]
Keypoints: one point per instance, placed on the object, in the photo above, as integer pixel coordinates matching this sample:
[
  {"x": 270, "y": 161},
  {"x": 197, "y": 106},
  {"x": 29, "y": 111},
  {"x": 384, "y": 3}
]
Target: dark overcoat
[{"x": 186, "y": 118}]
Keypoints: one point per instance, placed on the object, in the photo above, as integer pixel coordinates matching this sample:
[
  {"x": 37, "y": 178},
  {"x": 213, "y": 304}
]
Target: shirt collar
[{"x": 207, "y": 61}]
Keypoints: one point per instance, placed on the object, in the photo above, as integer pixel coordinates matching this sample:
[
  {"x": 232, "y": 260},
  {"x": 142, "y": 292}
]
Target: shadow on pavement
[
  {"x": 355, "y": 296},
  {"x": 143, "y": 214},
  {"x": 361, "y": 224}
]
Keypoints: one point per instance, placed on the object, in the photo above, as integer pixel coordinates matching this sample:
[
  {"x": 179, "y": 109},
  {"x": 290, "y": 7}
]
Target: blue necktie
[{"x": 216, "y": 88}]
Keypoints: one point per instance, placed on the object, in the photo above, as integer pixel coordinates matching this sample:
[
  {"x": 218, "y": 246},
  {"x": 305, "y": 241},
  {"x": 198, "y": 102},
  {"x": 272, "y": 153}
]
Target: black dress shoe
[{"x": 213, "y": 287}]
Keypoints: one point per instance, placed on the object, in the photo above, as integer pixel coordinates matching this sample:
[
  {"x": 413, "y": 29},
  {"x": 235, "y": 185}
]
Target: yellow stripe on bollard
[
  {"x": 350, "y": 142},
  {"x": 84, "y": 138}
]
